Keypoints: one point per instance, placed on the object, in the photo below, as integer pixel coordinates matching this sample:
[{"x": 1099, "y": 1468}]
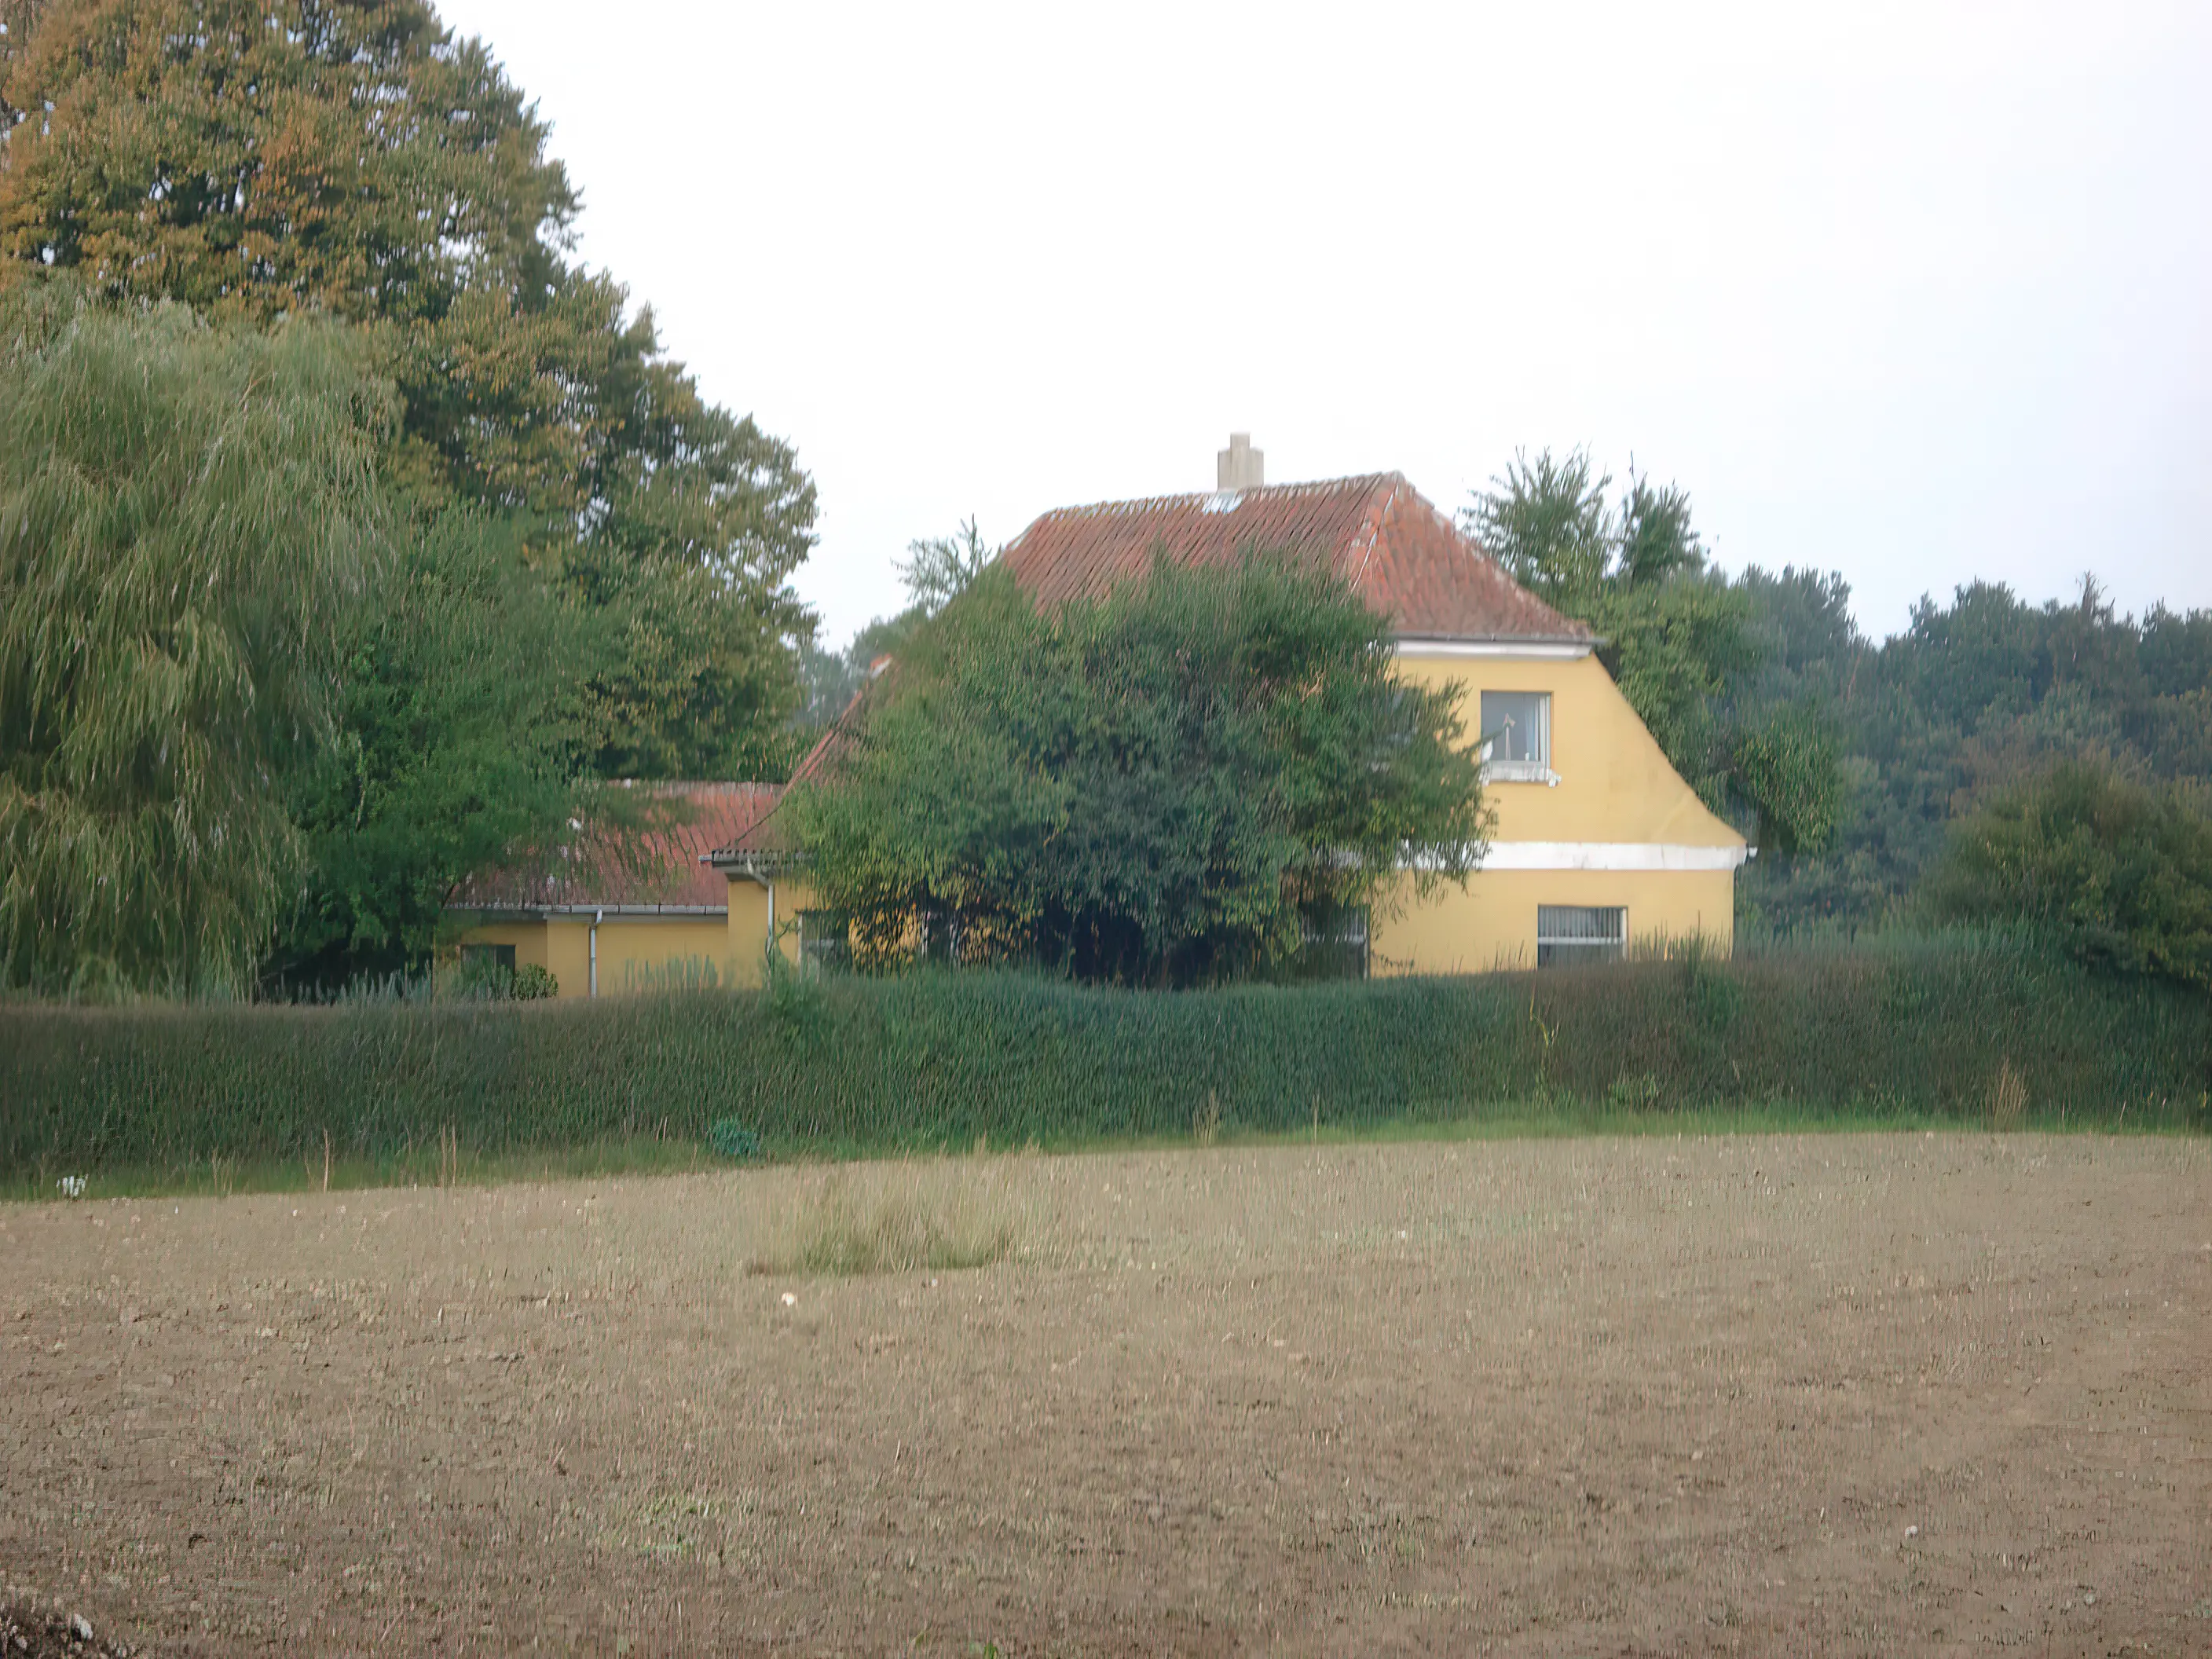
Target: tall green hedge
[{"x": 938, "y": 1059}]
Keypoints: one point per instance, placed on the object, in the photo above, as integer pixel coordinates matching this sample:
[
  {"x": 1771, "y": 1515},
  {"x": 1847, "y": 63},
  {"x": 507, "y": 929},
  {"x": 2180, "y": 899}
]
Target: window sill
[{"x": 1519, "y": 772}]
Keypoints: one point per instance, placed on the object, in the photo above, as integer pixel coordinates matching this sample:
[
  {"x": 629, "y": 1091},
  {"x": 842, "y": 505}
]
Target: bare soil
[{"x": 1832, "y": 1395}]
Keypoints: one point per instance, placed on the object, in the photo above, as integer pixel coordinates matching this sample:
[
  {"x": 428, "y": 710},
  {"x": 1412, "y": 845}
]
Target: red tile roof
[
  {"x": 656, "y": 867},
  {"x": 1403, "y": 555},
  {"x": 764, "y": 844}
]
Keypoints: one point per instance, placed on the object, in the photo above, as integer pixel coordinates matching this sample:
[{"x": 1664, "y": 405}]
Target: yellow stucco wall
[
  {"x": 1614, "y": 786},
  {"x": 633, "y": 944},
  {"x": 1492, "y": 923},
  {"x": 629, "y": 946},
  {"x": 750, "y": 906},
  {"x": 1615, "y": 783},
  {"x": 528, "y": 939},
  {"x": 748, "y": 928}
]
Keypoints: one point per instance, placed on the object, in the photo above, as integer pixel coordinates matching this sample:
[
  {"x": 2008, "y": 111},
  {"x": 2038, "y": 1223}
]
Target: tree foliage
[
  {"x": 184, "y": 511},
  {"x": 459, "y": 731},
  {"x": 2120, "y": 871},
  {"x": 1973, "y": 699},
  {"x": 350, "y": 156},
  {"x": 1681, "y": 640},
  {"x": 1154, "y": 788},
  {"x": 937, "y": 569},
  {"x": 18, "y": 17}
]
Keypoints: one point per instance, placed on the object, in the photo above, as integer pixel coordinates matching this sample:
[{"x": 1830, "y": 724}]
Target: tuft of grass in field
[
  {"x": 903, "y": 1218},
  {"x": 2008, "y": 1100}
]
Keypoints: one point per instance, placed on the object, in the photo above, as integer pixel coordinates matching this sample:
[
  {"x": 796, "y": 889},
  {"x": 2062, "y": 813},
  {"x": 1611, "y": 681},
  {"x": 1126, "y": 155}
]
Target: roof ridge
[
  {"x": 684, "y": 786},
  {"x": 1154, "y": 503}
]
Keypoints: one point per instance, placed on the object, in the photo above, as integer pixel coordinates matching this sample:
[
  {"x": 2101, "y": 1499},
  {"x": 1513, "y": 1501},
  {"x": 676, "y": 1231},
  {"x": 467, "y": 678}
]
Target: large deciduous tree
[
  {"x": 457, "y": 727},
  {"x": 1159, "y": 787},
  {"x": 350, "y": 156},
  {"x": 184, "y": 514}
]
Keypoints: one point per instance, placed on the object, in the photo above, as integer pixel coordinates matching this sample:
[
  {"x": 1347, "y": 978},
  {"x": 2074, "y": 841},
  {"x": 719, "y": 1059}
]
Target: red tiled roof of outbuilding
[
  {"x": 765, "y": 842},
  {"x": 653, "y": 867},
  {"x": 1404, "y": 557}
]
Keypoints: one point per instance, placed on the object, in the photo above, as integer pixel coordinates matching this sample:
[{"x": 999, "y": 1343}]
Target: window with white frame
[
  {"x": 1517, "y": 734},
  {"x": 1571, "y": 933}
]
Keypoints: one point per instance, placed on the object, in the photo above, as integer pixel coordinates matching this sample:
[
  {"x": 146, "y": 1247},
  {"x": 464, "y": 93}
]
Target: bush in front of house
[
  {"x": 1172, "y": 785},
  {"x": 532, "y": 983},
  {"x": 1914, "y": 1028}
]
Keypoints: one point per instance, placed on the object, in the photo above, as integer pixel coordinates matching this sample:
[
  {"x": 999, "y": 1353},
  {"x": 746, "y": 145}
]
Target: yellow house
[
  {"x": 1599, "y": 843},
  {"x": 631, "y": 909}
]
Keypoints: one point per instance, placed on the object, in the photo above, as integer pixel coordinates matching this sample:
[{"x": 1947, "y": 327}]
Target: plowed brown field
[{"x": 1840, "y": 1395}]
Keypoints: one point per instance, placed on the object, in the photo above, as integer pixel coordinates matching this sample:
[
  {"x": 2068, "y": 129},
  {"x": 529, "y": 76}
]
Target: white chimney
[{"x": 1238, "y": 467}]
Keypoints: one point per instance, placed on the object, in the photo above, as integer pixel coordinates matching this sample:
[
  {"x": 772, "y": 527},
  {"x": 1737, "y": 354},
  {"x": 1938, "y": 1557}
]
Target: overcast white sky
[{"x": 1915, "y": 292}]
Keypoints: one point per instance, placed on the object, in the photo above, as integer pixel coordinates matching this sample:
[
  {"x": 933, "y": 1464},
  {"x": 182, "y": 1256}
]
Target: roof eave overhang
[
  {"x": 1552, "y": 647},
  {"x": 752, "y": 866},
  {"x": 539, "y": 912}
]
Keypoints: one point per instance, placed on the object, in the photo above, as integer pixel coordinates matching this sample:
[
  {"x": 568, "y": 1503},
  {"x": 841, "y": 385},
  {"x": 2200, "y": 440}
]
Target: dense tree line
[
  {"x": 2114, "y": 871},
  {"x": 1974, "y": 699}
]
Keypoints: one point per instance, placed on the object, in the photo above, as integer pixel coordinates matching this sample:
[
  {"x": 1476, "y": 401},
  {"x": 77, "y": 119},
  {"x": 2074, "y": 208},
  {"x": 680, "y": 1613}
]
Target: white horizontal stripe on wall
[
  {"x": 1530, "y": 650},
  {"x": 1610, "y": 855}
]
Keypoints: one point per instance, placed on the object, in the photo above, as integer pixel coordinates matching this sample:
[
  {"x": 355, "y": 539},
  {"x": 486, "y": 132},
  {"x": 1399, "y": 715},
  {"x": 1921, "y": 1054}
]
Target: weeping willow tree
[{"x": 183, "y": 512}]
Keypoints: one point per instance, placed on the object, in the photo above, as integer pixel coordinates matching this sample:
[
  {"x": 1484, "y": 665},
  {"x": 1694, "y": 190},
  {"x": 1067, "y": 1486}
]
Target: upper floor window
[{"x": 1517, "y": 733}]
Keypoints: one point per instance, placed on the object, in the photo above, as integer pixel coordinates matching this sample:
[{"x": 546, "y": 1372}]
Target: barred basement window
[
  {"x": 825, "y": 940},
  {"x": 500, "y": 956},
  {"x": 937, "y": 938},
  {"x": 1571, "y": 933},
  {"x": 1333, "y": 945}
]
